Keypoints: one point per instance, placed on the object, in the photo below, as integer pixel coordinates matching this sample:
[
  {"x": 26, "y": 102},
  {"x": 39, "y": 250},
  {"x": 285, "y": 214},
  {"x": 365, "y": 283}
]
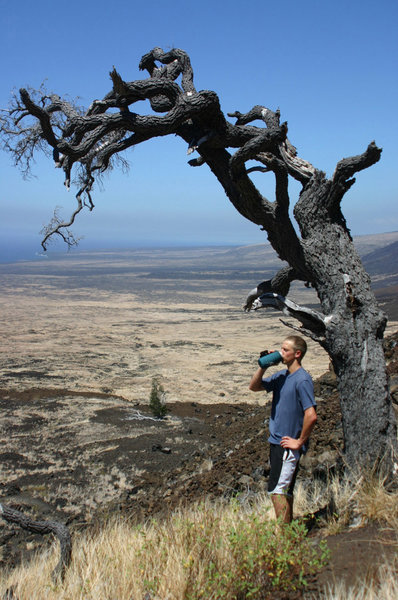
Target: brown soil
[
  {"x": 355, "y": 557},
  {"x": 149, "y": 467}
]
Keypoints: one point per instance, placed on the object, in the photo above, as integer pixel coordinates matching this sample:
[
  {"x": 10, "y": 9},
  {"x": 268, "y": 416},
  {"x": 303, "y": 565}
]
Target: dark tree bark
[
  {"x": 350, "y": 325},
  {"x": 43, "y": 527}
]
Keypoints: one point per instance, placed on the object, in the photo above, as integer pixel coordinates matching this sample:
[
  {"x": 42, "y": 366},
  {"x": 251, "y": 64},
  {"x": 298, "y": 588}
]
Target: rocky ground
[
  {"x": 83, "y": 337},
  {"x": 118, "y": 459}
]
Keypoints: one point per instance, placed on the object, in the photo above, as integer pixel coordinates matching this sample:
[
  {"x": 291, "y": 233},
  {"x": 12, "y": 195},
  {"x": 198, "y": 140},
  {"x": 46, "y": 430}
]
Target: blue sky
[{"x": 331, "y": 68}]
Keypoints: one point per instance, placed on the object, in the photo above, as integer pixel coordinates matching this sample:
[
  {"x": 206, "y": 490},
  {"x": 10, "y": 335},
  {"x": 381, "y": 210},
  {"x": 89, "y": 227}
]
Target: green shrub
[
  {"x": 262, "y": 562},
  {"x": 157, "y": 401},
  {"x": 238, "y": 556}
]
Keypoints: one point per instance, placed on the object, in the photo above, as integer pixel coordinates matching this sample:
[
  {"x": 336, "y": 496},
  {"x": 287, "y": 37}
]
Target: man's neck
[{"x": 295, "y": 366}]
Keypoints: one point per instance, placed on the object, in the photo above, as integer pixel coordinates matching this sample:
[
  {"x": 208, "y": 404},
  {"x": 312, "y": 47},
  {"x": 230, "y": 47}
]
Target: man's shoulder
[
  {"x": 276, "y": 379},
  {"x": 305, "y": 388},
  {"x": 278, "y": 375},
  {"x": 302, "y": 374}
]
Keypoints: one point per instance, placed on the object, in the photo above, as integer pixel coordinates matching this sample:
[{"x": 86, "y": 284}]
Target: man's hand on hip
[{"x": 291, "y": 443}]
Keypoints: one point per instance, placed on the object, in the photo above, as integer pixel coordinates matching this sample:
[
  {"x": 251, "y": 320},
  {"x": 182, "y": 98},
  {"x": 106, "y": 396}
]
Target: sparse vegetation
[
  {"x": 211, "y": 551},
  {"x": 157, "y": 399},
  {"x": 383, "y": 587},
  {"x": 205, "y": 552}
]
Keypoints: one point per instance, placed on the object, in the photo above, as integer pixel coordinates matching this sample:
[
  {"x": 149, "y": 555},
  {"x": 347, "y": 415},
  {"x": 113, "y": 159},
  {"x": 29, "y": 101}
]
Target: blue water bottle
[{"x": 269, "y": 359}]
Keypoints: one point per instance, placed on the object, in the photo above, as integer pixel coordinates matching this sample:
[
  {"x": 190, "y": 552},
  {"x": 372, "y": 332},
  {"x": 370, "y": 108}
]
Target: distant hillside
[
  {"x": 382, "y": 266},
  {"x": 382, "y": 261},
  {"x": 365, "y": 244},
  {"x": 257, "y": 255},
  {"x": 254, "y": 262}
]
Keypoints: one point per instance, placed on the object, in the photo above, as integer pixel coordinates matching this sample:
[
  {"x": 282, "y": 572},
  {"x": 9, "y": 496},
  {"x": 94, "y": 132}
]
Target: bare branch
[
  {"x": 59, "y": 227},
  {"x": 303, "y": 331},
  {"x": 43, "y": 527},
  {"x": 298, "y": 168},
  {"x": 310, "y": 319},
  {"x": 346, "y": 168},
  {"x": 177, "y": 62},
  {"x": 270, "y": 118},
  {"x": 279, "y": 284}
]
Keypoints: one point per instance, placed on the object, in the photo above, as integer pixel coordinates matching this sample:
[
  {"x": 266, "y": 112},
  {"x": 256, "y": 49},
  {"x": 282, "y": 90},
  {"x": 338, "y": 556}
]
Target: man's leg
[{"x": 283, "y": 506}]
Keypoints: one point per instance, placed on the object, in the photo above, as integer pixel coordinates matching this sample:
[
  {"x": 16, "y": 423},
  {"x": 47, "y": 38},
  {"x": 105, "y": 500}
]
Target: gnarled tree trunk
[
  {"x": 354, "y": 329},
  {"x": 43, "y": 527}
]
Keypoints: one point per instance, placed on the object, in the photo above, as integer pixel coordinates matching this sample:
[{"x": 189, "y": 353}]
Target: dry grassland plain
[
  {"x": 111, "y": 323},
  {"x": 92, "y": 330}
]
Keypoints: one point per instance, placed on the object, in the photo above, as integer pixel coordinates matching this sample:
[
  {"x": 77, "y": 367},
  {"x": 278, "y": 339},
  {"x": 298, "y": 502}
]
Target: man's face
[{"x": 288, "y": 352}]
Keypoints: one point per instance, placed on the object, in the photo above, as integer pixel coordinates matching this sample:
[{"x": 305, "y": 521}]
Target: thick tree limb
[
  {"x": 348, "y": 166},
  {"x": 303, "y": 331},
  {"x": 310, "y": 319},
  {"x": 43, "y": 527},
  {"x": 279, "y": 284},
  {"x": 177, "y": 62},
  {"x": 270, "y": 118},
  {"x": 297, "y": 167}
]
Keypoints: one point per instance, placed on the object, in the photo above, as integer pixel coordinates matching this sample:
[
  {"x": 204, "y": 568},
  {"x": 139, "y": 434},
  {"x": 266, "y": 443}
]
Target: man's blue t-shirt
[{"x": 293, "y": 393}]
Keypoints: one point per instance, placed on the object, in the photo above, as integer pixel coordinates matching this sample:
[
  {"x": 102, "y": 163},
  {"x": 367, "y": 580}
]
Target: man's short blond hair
[{"x": 298, "y": 343}]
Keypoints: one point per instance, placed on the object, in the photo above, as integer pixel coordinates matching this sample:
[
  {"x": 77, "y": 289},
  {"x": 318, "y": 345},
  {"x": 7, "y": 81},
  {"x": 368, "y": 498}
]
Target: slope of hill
[
  {"x": 368, "y": 243},
  {"x": 383, "y": 261},
  {"x": 382, "y": 266}
]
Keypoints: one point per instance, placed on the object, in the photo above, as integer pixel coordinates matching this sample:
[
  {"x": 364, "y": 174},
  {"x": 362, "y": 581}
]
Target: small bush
[
  {"x": 157, "y": 401},
  {"x": 234, "y": 555}
]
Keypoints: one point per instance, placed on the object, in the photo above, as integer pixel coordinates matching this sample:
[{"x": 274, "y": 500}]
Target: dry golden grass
[
  {"x": 384, "y": 587},
  {"x": 369, "y": 500},
  {"x": 206, "y": 550}
]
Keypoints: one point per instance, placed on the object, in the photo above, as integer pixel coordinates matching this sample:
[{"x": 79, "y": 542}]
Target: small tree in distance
[
  {"x": 157, "y": 399},
  {"x": 350, "y": 325}
]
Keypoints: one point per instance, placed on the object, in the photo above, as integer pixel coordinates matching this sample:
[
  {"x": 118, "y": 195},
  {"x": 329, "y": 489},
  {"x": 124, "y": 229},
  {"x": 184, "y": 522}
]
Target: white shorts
[{"x": 284, "y": 466}]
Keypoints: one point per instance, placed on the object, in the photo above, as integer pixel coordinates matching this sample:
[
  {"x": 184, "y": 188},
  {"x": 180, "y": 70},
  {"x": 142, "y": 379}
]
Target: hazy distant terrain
[
  {"x": 111, "y": 320},
  {"x": 381, "y": 263}
]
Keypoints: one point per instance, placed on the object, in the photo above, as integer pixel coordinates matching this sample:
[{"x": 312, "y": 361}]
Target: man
[{"x": 293, "y": 417}]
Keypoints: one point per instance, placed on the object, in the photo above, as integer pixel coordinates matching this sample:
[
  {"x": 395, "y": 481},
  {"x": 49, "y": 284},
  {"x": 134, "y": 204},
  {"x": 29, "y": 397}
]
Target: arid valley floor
[{"x": 84, "y": 334}]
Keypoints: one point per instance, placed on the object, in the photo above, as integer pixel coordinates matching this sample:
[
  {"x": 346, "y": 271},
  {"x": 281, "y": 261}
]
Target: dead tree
[
  {"x": 350, "y": 324},
  {"x": 43, "y": 527}
]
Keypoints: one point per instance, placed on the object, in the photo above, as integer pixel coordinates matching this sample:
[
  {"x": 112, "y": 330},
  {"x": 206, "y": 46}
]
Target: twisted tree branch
[
  {"x": 91, "y": 141},
  {"x": 43, "y": 527},
  {"x": 279, "y": 284},
  {"x": 346, "y": 168}
]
